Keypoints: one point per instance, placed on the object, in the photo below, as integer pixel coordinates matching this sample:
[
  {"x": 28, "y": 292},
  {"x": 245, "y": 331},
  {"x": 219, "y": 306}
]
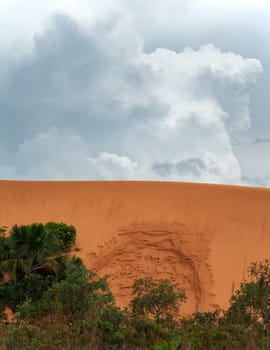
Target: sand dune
[{"x": 204, "y": 236}]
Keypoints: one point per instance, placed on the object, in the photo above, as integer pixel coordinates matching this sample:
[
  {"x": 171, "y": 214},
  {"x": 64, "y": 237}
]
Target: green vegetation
[
  {"x": 158, "y": 300},
  {"x": 58, "y": 304}
]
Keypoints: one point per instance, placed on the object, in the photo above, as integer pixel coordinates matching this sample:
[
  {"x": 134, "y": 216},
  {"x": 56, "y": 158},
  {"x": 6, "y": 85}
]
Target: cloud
[
  {"x": 51, "y": 154},
  {"x": 262, "y": 140},
  {"x": 91, "y": 103},
  {"x": 56, "y": 154},
  {"x": 192, "y": 167},
  {"x": 238, "y": 26},
  {"x": 255, "y": 161},
  {"x": 261, "y": 181},
  {"x": 111, "y": 166}
]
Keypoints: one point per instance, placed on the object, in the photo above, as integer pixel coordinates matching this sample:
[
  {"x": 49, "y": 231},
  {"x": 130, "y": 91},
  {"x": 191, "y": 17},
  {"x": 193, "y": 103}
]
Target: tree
[
  {"x": 62, "y": 235},
  {"x": 32, "y": 257},
  {"x": 34, "y": 249},
  {"x": 80, "y": 307},
  {"x": 156, "y": 299},
  {"x": 80, "y": 293},
  {"x": 30, "y": 251},
  {"x": 203, "y": 330},
  {"x": 250, "y": 304},
  {"x": 4, "y": 250}
]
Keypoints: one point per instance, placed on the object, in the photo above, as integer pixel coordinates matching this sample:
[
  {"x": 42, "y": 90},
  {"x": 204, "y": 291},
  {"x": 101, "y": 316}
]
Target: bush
[
  {"x": 63, "y": 234},
  {"x": 157, "y": 299}
]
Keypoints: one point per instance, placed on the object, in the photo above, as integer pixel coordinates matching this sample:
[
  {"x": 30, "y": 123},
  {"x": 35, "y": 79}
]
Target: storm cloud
[{"x": 100, "y": 100}]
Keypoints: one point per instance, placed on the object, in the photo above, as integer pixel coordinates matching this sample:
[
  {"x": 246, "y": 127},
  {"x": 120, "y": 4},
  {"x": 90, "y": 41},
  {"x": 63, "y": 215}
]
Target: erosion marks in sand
[{"x": 162, "y": 250}]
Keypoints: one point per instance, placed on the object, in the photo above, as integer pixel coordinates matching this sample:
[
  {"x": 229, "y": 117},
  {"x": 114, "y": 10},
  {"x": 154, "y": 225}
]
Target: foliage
[
  {"x": 251, "y": 303},
  {"x": 203, "y": 331},
  {"x": 156, "y": 299},
  {"x": 244, "y": 325},
  {"x": 25, "y": 336},
  {"x": 63, "y": 234},
  {"x": 31, "y": 287},
  {"x": 165, "y": 345},
  {"x": 59, "y": 304},
  {"x": 32, "y": 257},
  {"x": 34, "y": 249},
  {"x": 111, "y": 327},
  {"x": 146, "y": 333},
  {"x": 3, "y": 249},
  {"x": 81, "y": 294}
]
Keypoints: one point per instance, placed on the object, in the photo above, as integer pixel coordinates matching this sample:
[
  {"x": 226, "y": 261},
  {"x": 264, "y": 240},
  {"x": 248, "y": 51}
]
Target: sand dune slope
[{"x": 204, "y": 236}]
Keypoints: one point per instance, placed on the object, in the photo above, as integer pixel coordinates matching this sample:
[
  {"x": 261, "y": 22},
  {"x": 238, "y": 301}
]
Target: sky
[{"x": 163, "y": 90}]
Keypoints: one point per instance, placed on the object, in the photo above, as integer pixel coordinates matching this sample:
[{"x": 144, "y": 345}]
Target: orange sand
[{"x": 204, "y": 236}]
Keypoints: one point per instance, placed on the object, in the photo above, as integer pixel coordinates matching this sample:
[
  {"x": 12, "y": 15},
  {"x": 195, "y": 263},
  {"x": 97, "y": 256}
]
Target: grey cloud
[
  {"x": 163, "y": 169},
  {"x": 72, "y": 80},
  {"x": 263, "y": 181},
  {"x": 254, "y": 157},
  {"x": 261, "y": 140},
  {"x": 192, "y": 167},
  {"x": 236, "y": 102},
  {"x": 92, "y": 104},
  {"x": 78, "y": 82}
]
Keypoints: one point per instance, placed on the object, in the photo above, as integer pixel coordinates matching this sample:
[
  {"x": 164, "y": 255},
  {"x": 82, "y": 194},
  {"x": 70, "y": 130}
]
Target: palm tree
[{"x": 29, "y": 250}]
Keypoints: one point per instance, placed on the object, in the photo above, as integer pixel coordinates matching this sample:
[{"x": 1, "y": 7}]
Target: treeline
[{"x": 58, "y": 304}]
